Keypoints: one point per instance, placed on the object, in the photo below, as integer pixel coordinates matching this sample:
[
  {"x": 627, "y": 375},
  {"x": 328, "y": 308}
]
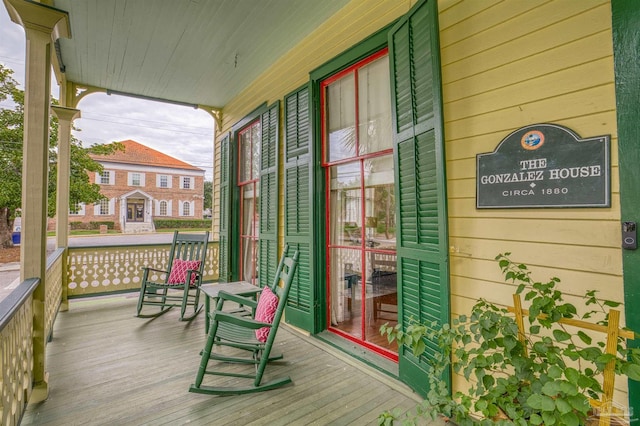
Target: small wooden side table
[{"x": 241, "y": 288}]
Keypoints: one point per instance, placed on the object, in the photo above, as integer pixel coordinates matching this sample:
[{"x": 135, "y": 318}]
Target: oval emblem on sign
[{"x": 532, "y": 140}]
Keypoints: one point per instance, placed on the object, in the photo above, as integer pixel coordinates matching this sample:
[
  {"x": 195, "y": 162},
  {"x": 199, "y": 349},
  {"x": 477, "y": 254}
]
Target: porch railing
[
  {"x": 16, "y": 351},
  {"x": 53, "y": 286},
  {"x": 106, "y": 269}
]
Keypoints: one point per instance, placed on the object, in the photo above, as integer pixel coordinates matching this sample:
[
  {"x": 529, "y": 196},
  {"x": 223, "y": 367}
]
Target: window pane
[
  {"x": 249, "y": 150},
  {"x": 380, "y": 208},
  {"x": 256, "y": 149},
  {"x": 341, "y": 119},
  {"x": 374, "y": 107},
  {"x": 245, "y": 155},
  {"x": 345, "y": 204}
]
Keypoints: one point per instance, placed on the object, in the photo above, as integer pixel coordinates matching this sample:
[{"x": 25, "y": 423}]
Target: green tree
[
  {"x": 11, "y": 138},
  {"x": 208, "y": 194},
  {"x": 10, "y": 153}
]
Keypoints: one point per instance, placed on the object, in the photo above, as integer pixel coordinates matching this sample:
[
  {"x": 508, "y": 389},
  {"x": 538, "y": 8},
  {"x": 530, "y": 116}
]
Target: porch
[{"x": 108, "y": 367}]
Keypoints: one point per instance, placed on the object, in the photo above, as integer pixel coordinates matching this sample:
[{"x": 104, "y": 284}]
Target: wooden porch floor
[{"x": 108, "y": 367}]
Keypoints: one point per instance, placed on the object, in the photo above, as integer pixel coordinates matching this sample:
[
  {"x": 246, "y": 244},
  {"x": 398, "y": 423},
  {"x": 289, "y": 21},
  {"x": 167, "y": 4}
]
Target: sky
[{"x": 164, "y": 127}]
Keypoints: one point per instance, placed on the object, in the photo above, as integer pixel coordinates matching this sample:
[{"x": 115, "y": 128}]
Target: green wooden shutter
[
  {"x": 298, "y": 232},
  {"x": 420, "y": 179},
  {"x": 268, "y": 207},
  {"x": 225, "y": 203}
]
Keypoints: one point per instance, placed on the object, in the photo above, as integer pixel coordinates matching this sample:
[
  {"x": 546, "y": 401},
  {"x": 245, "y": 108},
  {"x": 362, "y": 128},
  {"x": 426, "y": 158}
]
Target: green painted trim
[
  {"x": 363, "y": 49},
  {"x": 319, "y": 208},
  {"x": 257, "y": 112},
  {"x": 225, "y": 202},
  {"x": 626, "y": 45},
  {"x": 234, "y": 193}
]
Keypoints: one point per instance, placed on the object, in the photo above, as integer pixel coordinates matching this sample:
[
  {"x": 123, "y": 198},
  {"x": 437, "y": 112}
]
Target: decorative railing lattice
[
  {"x": 16, "y": 352},
  {"x": 92, "y": 270},
  {"x": 53, "y": 288}
]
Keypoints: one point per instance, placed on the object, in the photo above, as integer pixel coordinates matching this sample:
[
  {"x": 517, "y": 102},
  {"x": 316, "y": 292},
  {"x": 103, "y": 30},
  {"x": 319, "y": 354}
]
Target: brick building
[{"x": 141, "y": 184}]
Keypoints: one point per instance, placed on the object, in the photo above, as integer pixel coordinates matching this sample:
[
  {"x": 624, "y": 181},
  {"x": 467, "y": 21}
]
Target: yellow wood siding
[{"x": 506, "y": 65}]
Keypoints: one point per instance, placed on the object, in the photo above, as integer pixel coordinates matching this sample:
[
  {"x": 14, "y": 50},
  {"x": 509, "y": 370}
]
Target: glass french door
[
  {"x": 249, "y": 184},
  {"x": 360, "y": 219},
  {"x": 135, "y": 211}
]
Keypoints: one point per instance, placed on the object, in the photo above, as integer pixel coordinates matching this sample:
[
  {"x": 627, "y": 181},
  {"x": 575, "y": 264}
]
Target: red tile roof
[{"x": 136, "y": 153}]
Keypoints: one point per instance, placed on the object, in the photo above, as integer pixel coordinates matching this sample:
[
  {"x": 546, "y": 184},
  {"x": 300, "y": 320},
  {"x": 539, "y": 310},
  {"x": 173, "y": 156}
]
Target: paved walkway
[{"x": 9, "y": 278}]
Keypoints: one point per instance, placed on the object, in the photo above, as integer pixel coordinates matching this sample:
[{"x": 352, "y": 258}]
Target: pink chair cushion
[
  {"x": 265, "y": 312},
  {"x": 179, "y": 268}
]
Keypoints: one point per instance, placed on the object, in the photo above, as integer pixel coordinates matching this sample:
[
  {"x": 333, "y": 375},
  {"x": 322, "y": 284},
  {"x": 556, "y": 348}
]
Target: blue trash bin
[{"x": 15, "y": 237}]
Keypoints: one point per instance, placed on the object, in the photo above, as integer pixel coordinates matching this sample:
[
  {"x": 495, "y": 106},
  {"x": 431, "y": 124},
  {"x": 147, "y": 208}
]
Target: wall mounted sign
[{"x": 545, "y": 165}]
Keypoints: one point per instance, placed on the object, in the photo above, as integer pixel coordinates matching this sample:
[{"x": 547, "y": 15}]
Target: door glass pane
[
  {"x": 346, "y": 290},
  {"x": 374, "y": 107},
  {"x": 341, "y": 119},
  {"x": 381, "y": 296},
  {"x": 380, "y": 207},
  {"x": 249, "y": 232},
  {"x": 346, "y": 205}
]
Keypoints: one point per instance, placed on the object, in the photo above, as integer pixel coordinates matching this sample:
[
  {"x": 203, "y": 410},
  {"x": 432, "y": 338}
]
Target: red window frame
[
  {"x": 255, "y": 182},
  {"x": 365, "y": 251}
]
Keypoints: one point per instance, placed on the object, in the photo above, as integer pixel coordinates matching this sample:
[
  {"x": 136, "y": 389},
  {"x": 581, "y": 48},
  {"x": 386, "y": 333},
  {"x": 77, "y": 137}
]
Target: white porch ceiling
[{"x": 192, "y": 51}]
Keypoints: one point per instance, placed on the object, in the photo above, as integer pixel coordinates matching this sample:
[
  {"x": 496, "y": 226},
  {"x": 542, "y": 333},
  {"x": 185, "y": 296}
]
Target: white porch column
[
  {"x": 65, "y": 120},
  {"x": 216, "y": 114},
  {"x": 42, "y": 25}
]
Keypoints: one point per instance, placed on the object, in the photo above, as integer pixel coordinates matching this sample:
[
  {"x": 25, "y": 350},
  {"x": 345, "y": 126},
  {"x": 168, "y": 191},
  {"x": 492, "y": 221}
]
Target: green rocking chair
[
  {"x": 186, "y": 265},
  {"x": 254, "y": 334}
]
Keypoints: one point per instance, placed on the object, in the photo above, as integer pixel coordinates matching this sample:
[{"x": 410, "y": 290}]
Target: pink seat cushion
[
  {"x": 179, "y": 269},
  {"x": 265, "y": 312}
]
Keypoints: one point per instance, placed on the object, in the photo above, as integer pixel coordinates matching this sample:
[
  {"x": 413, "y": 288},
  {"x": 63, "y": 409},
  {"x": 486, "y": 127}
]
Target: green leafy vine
[{"x": 546, "y": 378}]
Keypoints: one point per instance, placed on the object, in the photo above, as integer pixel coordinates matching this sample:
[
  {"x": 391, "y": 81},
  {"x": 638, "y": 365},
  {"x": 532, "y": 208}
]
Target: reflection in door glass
[{"x": 362, "y": 223}]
